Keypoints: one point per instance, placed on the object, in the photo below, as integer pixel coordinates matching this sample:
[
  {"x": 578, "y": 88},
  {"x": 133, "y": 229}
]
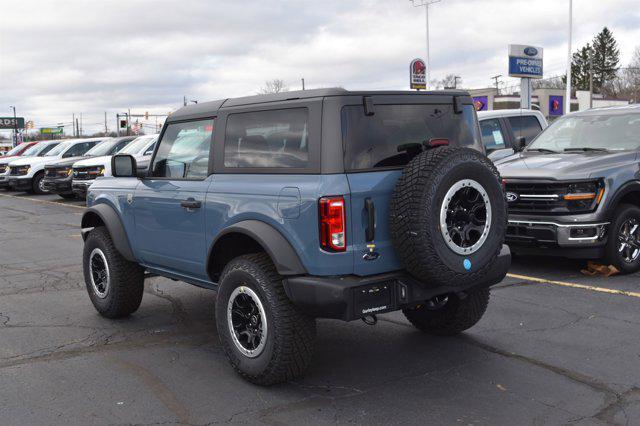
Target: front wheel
[
  {"x": 37, "y": 184},
  {"x": 623, "y": 245},
  {"x": 267, "y": 339},
  {"x": 115, "y": 285},
  {"x": 449, "y": 314}
]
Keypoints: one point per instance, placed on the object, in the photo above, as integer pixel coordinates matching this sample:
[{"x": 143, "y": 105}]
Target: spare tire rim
[
  {"x": 465, "y": 217},
  {"x": 247, "y": 321},
  {"x": 99, "y": 273}
]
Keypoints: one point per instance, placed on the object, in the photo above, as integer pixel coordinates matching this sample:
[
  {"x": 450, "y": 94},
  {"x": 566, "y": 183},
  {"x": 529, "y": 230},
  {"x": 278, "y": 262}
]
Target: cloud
[{"x": 71, "y": 56}]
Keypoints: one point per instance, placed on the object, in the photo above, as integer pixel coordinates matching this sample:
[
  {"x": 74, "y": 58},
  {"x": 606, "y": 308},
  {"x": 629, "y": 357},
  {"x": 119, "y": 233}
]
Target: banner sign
[
  {"x": 555, "y": 105},
  {"x": 51, "y": 130},
  {"x": 525, "y": 61},
  {"x": 481, "y": 103},
  {"x": 10, "y": 122},
  {"x": 418, "y": 74}
]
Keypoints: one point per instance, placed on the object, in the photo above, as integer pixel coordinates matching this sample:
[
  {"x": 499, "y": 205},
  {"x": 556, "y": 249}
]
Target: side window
[
  {"x": 492, "y": 136},
  {"x": 277, "y": 138},
  {"x": 525, "y": 125},
  {"x": 184, "y": 151},
  {"x": 149, "y": 150},
  {"x": 79, "y": 149},
  {"x": 117, "y": 147}
]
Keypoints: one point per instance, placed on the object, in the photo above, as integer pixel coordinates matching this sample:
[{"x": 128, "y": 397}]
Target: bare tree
[
  {"x": 273, "y": 86},
  {"x": 450, "y": 81},
  {"x": 626, "y": 83}
]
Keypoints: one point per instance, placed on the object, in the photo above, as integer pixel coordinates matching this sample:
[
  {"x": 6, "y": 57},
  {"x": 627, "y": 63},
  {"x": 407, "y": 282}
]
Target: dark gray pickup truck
[{"x": 575, "y": 190}]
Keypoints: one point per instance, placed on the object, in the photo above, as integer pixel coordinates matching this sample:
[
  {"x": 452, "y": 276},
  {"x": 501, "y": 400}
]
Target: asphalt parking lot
[{"x": 565, "y": 351}]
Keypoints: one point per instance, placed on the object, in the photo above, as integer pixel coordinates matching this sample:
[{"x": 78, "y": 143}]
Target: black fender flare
[
  {"x": 114, "y": 225},
  {"x": 627, "y": 188},
  {"x": 282, "y": 253}
]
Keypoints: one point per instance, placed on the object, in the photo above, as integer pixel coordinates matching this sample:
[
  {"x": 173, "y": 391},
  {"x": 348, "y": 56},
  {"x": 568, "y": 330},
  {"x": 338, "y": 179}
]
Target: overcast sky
[{"x": 58, "y": 57}]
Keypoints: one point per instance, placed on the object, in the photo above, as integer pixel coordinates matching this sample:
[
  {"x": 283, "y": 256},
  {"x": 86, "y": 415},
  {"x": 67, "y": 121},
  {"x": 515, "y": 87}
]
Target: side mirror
[
  {"x": 124, "y": 165},
  {"x": 519, "y": 143}
]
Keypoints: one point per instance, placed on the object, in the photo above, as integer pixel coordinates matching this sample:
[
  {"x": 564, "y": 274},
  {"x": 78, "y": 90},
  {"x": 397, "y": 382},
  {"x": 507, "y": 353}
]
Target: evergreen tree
[
  {"x": 606, "y": 57},
  {"x": 580, "y": 68}
]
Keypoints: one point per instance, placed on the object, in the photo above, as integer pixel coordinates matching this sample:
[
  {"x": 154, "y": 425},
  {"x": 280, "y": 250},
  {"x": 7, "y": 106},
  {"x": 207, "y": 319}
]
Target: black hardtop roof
[{"x": 211, "y": 108}]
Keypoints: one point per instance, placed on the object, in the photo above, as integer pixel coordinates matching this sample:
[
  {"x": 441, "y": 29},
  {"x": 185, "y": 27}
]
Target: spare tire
[{"x": 448, "y": 216}]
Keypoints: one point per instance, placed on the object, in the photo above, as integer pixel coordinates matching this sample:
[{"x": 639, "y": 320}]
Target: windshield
[
  {"x": 39, "y": 149},
  {"x": 58, "y": 149},
  {"x": 137, "y": 145},
  {"x": 103, "y": 148},
  {"x": 14, "y": 151},
  {"x": 614, "y": 132}
]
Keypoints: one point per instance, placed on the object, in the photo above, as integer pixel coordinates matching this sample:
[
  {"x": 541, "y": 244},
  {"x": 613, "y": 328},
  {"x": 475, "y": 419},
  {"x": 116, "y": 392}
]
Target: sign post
[
  {"x": 418, "y": 74},
  {"x": 525, "y": 62}
]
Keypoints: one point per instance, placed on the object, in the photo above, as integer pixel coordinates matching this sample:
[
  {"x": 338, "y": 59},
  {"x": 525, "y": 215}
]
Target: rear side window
[
  {"x": 184, "y": 151},
  {"x": 525, "y": 125},
  {"x": 271, "y": 139},
  {"x": 492, "y": 136},
  {"x": 393, "y": 134},
  {"x": 79, "y": 149}
]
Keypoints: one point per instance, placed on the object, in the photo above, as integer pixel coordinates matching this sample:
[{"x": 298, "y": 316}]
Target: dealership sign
[
  {"x": 525, "y": 61},
  {"x": 418, "y": 74},
  {"x": 51, "y": 130},
  {"x": 11, "y": 123}
]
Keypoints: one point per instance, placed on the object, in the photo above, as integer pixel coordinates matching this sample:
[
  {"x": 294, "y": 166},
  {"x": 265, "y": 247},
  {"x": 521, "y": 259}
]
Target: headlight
[
  {"x": 584, "y": 195},
  {"x": 69, "y": 172}
]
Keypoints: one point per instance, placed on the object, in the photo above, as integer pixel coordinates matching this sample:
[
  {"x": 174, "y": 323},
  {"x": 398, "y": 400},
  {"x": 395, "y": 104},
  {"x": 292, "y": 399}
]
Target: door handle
[{"x": 190, "y": 203}]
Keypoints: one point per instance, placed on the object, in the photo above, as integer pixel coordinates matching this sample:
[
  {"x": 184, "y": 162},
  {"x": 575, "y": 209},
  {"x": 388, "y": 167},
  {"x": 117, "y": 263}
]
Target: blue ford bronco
[{"x": 301, "y": 205}]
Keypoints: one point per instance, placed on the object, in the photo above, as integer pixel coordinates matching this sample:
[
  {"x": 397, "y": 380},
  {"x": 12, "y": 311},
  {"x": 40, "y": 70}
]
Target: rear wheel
[
  {"x": 267, "y": 339},
  {"x": 450, "y": 314},
  {"x": 623, "y": 244}
]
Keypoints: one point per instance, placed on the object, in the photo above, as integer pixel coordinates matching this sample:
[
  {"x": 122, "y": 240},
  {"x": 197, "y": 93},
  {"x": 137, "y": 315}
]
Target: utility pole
[
  {"x": 73, "y": 123},
  {"x": 591, "y": 79},
  {"x": 184, "y": 101},
  {"x": 15, "y": 127},
  {"x": 497, "y": 83},
  {"x": 426, "y": 3},
  {"x": 105, "y": 124},
  {"x": 455, "y": 81},
  {"x": 118, "y": 125},
  {"x": 77, "y": 128},
  {"x": 567, "y": 101},
  {"x": 302, "y": 83}
]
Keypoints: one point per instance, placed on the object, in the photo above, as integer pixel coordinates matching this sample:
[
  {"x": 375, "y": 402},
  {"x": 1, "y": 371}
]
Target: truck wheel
[
  {"x": 448, "y": 216},
  {"x": 623, "y": 245},
  {"x": 36, "y": 184},
  {"x": 267, "y": 339},
  {"x": 449, "y": 315},
  {"x": 115, "y": 285}
]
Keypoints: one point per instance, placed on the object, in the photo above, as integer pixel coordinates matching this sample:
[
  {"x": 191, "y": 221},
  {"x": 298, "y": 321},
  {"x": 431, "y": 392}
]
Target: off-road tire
[
  {"x": 291, "y": 334},
  {"x": 456, "y": 316},
  {"x": 612, "y": 256},
  {"x": 415, "y": 216},
  {"x": 126, "y": 281},
  {"x": 35, "y": 184}
]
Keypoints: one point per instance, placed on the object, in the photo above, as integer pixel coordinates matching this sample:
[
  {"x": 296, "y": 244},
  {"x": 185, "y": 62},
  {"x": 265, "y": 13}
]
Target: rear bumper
[
  {"x": 57, "y": 186},
  {"x": 351, "y": 297}
]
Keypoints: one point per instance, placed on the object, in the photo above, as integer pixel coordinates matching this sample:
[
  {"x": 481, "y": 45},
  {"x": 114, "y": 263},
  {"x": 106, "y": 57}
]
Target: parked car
[
  {"x": 302, "y": 205},
  {"x": 58, "y": 176},
  {"x": 17, "y": 150},
  {"x": 506, "y": 131},
  {"x": 36, "y": 150},
  {"x": 574, "y": 191},
  {"x": 86, "y": 171},
  {"x": 27, "y": 174}
]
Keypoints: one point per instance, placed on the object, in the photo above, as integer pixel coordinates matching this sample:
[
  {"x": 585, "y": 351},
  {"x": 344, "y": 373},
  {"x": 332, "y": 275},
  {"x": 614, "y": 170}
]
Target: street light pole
[
  {"x": 567, "y": 101},
  {"x": 426, "y": 3}
]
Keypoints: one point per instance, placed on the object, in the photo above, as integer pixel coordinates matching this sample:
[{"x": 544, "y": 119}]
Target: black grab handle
[
  {"x": 190, "y": 203},
  {"x": 370, "y": 231}
]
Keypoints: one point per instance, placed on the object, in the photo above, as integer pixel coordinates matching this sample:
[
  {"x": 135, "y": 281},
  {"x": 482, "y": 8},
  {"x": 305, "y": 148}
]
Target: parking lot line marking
[
  {"x": 42, "y": 201},
  {"x": 574, "y": 285}
]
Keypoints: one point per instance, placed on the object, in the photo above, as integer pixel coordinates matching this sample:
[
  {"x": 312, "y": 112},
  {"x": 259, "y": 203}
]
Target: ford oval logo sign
[
  {"x": 511, "y": 197},
  {"x": 530, "y": 51}
]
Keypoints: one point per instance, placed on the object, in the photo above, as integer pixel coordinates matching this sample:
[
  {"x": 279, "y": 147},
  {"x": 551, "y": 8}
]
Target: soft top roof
[{"x": 211, "y": 108}]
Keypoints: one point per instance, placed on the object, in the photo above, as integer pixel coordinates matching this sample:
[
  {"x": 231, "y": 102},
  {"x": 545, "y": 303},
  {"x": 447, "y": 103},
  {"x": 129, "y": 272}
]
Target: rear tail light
[{"x": 332, "y": 223}]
